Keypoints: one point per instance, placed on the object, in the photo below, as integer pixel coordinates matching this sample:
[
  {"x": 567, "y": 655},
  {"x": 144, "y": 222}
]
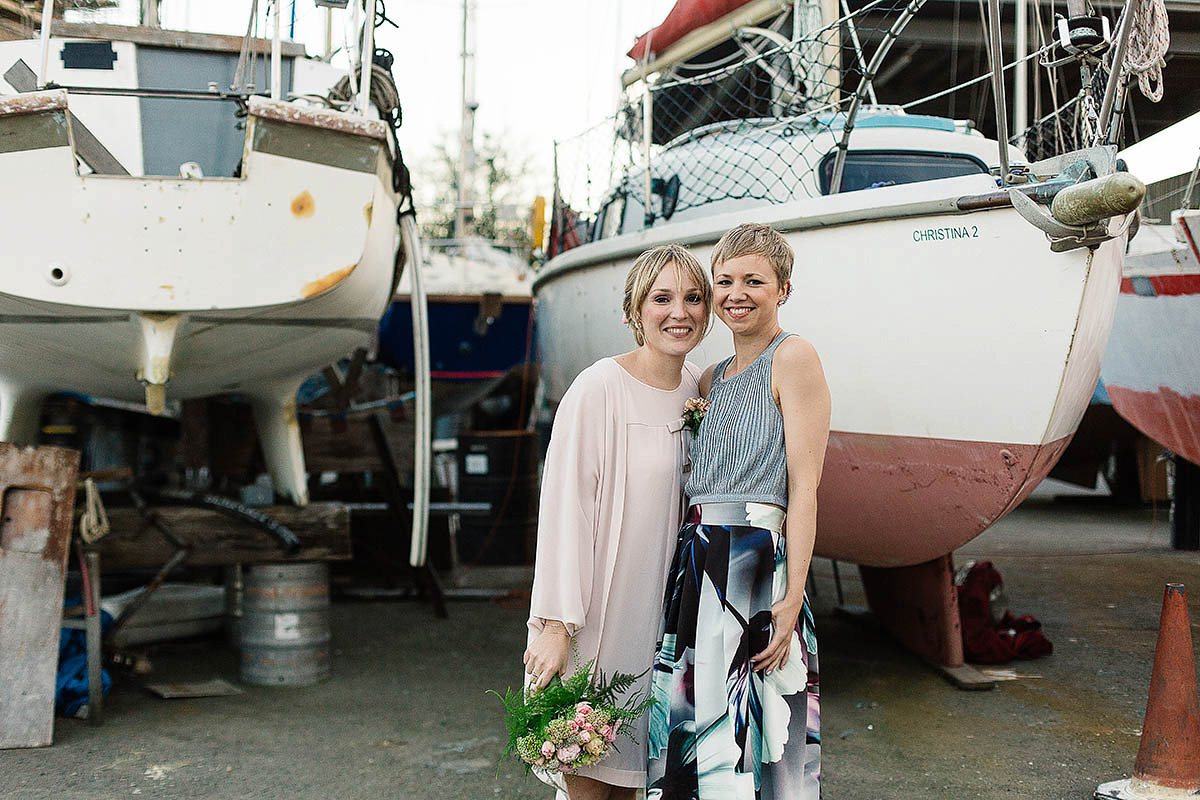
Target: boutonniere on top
[{"x": 693, "y": 413}]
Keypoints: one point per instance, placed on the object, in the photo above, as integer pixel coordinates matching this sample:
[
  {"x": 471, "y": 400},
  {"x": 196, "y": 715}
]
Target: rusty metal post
[{"x": 92, "y": 634}]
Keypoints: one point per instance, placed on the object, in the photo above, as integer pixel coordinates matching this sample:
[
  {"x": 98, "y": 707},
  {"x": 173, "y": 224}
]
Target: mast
[
  {"x": 1021, "y": 71},
  {"x": 465, "y": 209}
]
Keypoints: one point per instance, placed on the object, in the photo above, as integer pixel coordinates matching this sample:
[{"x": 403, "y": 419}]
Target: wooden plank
[
  {"x": 12, "y": 31},
  {"x": 87, "y": 146},
  {"x": 162, "y": 37},
  {"x": 21, "y": 11},
  {"x": 37, "y": 500},
  {"x": 219, "y": 540}
]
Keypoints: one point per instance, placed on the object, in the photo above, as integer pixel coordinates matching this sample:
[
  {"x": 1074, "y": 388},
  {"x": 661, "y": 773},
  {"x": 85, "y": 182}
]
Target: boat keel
[
  {"x": 279, "y": 434},
  {"x": 154, "y": 370},
  {"x": 918, "y": 605}
]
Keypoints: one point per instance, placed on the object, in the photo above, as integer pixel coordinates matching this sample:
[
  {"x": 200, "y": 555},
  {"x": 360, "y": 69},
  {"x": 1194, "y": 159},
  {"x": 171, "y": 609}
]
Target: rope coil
[{"x": 1148, "y": 44}]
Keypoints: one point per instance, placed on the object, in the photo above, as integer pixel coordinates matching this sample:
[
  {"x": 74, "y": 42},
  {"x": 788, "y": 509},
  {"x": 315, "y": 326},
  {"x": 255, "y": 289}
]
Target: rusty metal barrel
[{"x": 285, "y": 624}]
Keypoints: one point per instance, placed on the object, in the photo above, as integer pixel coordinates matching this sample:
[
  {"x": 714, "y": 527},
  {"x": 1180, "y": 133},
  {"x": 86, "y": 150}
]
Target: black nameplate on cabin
[{"x": 88, "y": 55}]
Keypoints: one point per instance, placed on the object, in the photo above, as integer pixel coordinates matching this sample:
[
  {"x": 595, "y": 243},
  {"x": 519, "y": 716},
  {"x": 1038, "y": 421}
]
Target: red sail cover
[{"x": 685, "y": 17}]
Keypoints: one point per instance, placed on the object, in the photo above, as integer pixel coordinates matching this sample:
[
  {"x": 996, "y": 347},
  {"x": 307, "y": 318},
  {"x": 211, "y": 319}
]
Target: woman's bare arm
[{"x": 798, "y": 382}]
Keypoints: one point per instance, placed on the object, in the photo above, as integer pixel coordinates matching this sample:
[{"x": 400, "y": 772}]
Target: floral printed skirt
[{"x": 721, "y": 731}]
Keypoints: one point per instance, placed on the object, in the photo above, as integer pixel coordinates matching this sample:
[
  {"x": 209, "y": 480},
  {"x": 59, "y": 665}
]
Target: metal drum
[{"x": 285, "y": 624}]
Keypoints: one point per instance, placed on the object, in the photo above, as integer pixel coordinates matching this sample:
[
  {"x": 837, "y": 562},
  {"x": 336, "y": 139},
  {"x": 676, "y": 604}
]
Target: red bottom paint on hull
[
  {"x": 1166, "y": 416},
  {"x": 894, "y": 501}
]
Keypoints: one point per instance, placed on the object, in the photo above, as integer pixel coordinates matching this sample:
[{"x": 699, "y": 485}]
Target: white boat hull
[
  {"x": 960, "y": 352},
  {"x": 168, "y": 288},
  {"x": 1152, "y": 368}
]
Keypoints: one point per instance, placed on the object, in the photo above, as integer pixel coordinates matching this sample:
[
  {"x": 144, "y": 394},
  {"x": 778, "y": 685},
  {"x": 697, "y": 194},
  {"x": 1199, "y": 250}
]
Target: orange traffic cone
[{"x": 1167, "y": 766}]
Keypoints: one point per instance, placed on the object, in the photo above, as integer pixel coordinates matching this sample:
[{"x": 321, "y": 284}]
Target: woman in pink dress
[{"x": 611, "y": 502}]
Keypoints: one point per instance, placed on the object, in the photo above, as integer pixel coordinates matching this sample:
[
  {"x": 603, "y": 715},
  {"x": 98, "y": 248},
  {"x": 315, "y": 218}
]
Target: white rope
[
  {"x": 1148, "y": 43},
  {"x": 93, "y": 525}
]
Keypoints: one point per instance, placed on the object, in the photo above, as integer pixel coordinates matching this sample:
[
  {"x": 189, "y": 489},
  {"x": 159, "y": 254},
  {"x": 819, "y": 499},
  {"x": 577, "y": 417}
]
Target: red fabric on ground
[{"x": 985, "y": 643}]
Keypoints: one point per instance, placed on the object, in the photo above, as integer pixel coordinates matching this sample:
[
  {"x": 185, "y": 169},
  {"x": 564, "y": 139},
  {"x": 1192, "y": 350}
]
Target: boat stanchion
[{"x": 1167, "y": 766}]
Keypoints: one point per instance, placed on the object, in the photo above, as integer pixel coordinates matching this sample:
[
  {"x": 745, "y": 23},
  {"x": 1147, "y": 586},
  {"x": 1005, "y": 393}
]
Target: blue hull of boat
[{"x": 456, "y": 350}]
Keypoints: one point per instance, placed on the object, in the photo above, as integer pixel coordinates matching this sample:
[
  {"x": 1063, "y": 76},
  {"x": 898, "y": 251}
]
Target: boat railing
[
  {"x": 813, "y": 89},
  {"x": 177, "y": 139},
  {"x": 242, "y": 86}
]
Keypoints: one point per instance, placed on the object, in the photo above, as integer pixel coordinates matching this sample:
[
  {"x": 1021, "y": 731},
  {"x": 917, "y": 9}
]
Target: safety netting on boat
[
  {"x": 761, "y": 114},
  {"x": 749, "y": 118}
]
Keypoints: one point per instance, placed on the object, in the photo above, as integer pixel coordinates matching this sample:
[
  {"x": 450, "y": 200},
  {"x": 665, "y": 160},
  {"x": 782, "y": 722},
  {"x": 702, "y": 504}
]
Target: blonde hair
[
  {"x": 755, "y": 239},
  {"x": 645, "y": 272}
]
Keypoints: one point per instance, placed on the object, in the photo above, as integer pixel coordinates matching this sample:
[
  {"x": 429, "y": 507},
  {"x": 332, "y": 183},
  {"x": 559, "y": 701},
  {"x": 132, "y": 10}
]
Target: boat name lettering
[{"x": 941, "y": 234}]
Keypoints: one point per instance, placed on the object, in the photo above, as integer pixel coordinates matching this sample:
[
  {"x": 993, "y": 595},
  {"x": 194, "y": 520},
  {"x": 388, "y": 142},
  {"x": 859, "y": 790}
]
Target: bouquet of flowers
[{"x": 570, "y": 724}]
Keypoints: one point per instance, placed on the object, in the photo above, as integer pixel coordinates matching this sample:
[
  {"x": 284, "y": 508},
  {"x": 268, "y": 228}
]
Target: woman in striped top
[{"x": 735, "y": 674}]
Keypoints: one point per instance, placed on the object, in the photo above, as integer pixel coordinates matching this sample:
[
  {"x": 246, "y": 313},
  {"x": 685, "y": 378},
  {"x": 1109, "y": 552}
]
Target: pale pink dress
[{"x": 607, "y": 524}]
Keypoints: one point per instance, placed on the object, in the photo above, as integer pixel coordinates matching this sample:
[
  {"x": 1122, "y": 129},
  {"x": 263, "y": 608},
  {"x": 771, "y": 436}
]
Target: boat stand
[
  {"x": 427, "y": 581},
  {"x": 918, "y": 605}
]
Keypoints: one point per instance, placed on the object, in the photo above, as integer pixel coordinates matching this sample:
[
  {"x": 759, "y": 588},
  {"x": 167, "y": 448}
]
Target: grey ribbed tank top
[{"x": 738, "y": 453}]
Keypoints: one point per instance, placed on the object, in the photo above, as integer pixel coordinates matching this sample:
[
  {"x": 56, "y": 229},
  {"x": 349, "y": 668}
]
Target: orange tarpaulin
[{"x": 685, "y": 17}]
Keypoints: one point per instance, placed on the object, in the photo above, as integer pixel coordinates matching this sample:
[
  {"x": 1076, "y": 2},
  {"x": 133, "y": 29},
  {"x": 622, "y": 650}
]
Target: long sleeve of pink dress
[{"x": 607, "y": 523}]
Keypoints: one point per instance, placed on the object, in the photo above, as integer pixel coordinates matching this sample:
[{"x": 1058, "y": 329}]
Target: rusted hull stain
[
  {"x": 313, "y": 288},
  {"x": 303, "y": 205},
  {"x": 891, "y": 501},
  {"x": 1166, "y": 416}
]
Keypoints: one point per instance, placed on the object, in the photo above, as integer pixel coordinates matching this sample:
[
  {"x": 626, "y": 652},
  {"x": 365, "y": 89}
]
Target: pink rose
[
  {"x": 584, "y": 737},
  {"x": 573, "y": 725},
  {"x": 605, "y": 731},
  {"x": 547, "y": 749},
  {"x": 587, "y": 726},
  {"x": 568, "y": 754},
  {"x": 583, "y": 709},
  {"x": 612, "y": 734}
]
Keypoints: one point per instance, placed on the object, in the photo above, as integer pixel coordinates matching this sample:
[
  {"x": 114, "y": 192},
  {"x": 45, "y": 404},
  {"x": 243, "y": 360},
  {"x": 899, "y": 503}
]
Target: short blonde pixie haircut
[
  {"x": 755, "y": 239},
  {"x": 644, "y": 273}
]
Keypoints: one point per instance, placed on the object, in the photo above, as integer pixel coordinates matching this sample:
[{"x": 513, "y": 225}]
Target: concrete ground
[{"x": 406, "y": 714}]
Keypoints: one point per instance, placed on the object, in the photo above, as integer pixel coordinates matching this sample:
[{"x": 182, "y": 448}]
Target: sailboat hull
[
  {"x": 960, "y": 351},
  {"x": 1152, "y": 370},
  {"x": 158, "y": 289}
]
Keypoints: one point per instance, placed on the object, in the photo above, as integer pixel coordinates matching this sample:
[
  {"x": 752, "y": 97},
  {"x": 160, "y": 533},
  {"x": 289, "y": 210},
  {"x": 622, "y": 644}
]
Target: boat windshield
[{"x": 870, "y": 169}]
